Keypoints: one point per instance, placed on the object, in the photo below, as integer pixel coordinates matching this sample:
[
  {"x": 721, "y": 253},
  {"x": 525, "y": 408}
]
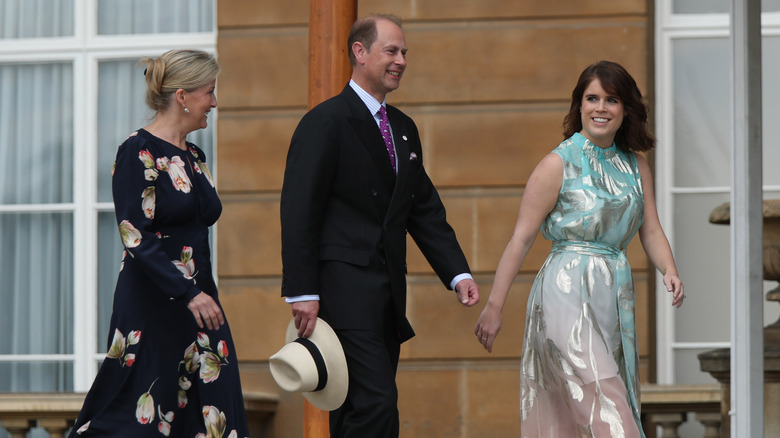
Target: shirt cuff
[
  {"x": 458, "y": 278},
  {"x": 299, "y": 298}
]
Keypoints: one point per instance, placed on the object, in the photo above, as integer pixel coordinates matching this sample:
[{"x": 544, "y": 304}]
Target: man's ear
[{"x": 359, "y": 50}]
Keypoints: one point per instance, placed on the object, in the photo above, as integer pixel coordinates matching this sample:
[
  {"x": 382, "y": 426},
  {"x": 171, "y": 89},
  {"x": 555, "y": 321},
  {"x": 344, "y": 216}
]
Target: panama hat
[{"x": 314, "y": 366}]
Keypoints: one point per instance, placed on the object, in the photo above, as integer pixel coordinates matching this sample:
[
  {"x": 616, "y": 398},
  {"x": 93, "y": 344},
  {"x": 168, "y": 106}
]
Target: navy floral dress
[{"x": 163, "y": 375}]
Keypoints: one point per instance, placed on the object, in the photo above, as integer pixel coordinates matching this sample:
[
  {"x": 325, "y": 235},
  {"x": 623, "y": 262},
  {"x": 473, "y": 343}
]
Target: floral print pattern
[
  {"x": 201, "y": 167},
  {"x": 120, "y": 344},
  {"x": 148, "y": 203},
  {"x": 186, "y": 265},
  {"x": 198, "y": 356},
  {"x": 161, "y": 221},
  {"x": 175, "y": 168},
  {"x": 144, "y": 411},
  {"x": 131, "y": 237}
]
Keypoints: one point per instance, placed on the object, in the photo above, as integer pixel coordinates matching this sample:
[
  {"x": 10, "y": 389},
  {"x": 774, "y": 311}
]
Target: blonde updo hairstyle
[{"x": 175, "y": 69}]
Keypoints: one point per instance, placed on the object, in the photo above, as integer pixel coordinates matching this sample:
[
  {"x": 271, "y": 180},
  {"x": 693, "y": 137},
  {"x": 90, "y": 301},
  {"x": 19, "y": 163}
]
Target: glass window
[
  {"x": 716, "y": 6},
  {"x": 770, "y": 60},
  {"x": 64, "y": 110},
  {"x": 702, "y": 250},
  {"x": 110, "y": 251},
  {"x": 702, "y": 112},
  {"x": 36, "y": 18},
  {"x": 36, "y": 175},
  {"x": 117, "y": 17},
  {"x": 36, "y": 133},
  {"x": 694, "y": 173},
  {"x": 36, "y": 265}
]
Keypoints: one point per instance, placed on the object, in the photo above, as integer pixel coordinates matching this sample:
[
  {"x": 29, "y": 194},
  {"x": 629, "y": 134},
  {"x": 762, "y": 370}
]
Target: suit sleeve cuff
[
  {"x": 299, "y": 298},
  {"x": 458, "y": 278}
]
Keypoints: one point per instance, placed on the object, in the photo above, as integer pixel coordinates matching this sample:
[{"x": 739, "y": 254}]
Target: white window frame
[
  {"x": 85, "y": 49},
  {"x": 668, "y": 28}
]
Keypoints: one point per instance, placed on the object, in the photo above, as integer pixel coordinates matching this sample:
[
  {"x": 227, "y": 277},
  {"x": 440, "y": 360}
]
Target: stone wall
[{"x": 488, "y": 83}]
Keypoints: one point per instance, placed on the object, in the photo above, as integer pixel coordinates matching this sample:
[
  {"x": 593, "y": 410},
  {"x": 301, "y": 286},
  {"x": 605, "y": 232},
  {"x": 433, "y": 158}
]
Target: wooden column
[{"x": 329, "y": 71}]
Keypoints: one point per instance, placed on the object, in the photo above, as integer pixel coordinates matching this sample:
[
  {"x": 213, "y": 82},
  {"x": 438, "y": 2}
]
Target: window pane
[
  {"x": 121, "y": 81},
  {"x": 155, "y": 16},
  {"x": 702, "y": 256},
  {"x": 118, "y": 81},
  {"x": 36, "y": 133},
  {"x": 110, "y": 252},
  {"x": 36, "y": 266},
  {"x": 701, "y": 6},
  {"x": 702, "y": 112},
  {"x": 716, "y": 6},
  {"x": 688, "y": 368},
  {"x": 770, "y": 57},
  {"x": 36, "y": 377},
  {"x": 36, "y": 18}
]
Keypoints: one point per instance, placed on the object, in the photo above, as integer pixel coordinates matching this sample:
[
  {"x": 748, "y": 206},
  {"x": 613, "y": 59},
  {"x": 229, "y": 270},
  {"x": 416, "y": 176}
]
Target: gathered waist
[{"x": 587, "y": 248}]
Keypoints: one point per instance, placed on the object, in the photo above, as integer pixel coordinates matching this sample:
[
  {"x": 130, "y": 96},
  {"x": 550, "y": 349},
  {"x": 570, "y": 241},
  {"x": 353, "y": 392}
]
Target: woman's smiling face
[{"x": 601, "y": 113}]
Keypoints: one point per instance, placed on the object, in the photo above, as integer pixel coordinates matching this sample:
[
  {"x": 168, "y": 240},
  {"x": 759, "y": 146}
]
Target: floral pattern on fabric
[
  {"x": 186, "y": 264},
  {"x": 119, "y": 345},
  {"x": 183, "y": 379},
  {"x": 198, "y": 358}
]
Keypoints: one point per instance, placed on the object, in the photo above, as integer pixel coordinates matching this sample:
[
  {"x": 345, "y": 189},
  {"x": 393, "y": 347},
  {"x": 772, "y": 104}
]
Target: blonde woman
[{"x": 171, "y": 367}]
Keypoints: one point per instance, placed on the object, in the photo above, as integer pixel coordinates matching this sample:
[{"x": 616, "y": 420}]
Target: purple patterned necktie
[{"x": 384, "y": 126}]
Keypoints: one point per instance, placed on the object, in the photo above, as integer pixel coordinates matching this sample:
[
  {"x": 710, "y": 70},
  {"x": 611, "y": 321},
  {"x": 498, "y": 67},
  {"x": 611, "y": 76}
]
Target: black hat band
[{"x": 319, "y": 361}]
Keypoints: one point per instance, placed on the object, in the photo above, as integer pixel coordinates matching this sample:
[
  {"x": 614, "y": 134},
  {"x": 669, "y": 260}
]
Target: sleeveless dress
[
  {"x": 164, "y": 376},
  {"x": 579, "y": 357}
]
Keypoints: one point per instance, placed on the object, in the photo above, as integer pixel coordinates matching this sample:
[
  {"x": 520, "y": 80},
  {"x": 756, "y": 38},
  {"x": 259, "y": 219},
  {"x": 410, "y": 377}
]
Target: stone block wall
[{"x": 488, "y": 83}]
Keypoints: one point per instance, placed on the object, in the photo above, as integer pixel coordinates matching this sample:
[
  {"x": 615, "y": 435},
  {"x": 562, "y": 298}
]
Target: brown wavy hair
[{"x": 633, "y": 134}]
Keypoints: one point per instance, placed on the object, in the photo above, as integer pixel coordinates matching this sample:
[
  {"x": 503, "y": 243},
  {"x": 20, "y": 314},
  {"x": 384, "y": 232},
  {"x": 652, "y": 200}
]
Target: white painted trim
[
  {"x": 37, "y": 208},
  {"x": 698, "y": 345},
  {"x": 663, "y": 176},
  {"x": 6, "y": 358}
]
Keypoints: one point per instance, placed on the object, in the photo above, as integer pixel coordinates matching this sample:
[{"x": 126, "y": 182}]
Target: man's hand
[
  {"x": 305, "y": 314},
  {"x": 468, "y": 292}
]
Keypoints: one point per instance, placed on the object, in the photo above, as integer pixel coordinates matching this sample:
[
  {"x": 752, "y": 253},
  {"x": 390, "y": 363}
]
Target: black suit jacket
[{"x": 345, "y": 216}]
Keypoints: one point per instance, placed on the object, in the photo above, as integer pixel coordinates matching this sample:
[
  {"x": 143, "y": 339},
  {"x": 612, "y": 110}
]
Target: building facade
[{"x": 488, "y": 84}]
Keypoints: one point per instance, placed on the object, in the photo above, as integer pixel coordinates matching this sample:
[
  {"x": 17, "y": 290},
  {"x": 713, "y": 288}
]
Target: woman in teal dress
[{"x": 590, "y": 196}]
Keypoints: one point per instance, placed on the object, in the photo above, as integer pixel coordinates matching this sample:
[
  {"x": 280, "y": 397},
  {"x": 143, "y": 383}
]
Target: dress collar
[{"x": 591, "y": 149}]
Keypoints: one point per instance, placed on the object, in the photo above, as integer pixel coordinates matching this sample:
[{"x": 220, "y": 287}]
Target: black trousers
[{"x": 371, "y": 408}]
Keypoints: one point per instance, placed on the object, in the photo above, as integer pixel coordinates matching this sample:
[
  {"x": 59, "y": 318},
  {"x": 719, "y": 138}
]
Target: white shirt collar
[{"x": 371, "y": 103}]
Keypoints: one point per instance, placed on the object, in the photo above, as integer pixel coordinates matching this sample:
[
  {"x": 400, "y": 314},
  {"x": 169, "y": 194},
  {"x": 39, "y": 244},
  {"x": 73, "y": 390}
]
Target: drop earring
[{"x": 186, "y": 110}]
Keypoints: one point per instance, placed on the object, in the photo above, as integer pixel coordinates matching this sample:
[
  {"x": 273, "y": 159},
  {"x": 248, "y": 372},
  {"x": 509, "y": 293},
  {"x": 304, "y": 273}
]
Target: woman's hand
[
  {"x": 206, "y": 311},
  {"x": 488, "y": 326},
  {"x": 675, "y": 286}
]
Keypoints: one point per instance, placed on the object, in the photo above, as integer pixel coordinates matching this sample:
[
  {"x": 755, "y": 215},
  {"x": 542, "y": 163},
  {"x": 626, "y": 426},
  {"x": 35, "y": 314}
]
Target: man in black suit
[{"x": 350, "y": 195}]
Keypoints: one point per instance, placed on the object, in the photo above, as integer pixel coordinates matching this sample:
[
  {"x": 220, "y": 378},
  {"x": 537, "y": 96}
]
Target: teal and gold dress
[{"x": 579, "y": 361}]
